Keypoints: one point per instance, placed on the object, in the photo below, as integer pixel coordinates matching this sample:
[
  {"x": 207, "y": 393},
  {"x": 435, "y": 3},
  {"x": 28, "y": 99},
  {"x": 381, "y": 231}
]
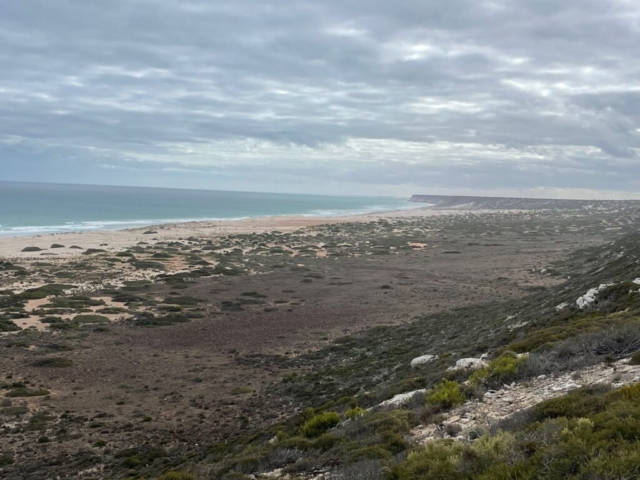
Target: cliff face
[{"x": 506, "y": 203}]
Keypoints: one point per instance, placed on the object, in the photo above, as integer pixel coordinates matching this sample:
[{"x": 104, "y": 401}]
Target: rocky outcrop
[
  {"x": 499, "y": 404},
  {"x": 586, "y": 300}
]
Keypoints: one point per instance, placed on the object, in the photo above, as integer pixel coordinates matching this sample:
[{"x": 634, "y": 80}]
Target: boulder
[
  {"x": 422, "y": 360},
  {"x": 469, "y": 363},
  {"x": 401, "y": 399},
  {"x": 586, "y": 300}
]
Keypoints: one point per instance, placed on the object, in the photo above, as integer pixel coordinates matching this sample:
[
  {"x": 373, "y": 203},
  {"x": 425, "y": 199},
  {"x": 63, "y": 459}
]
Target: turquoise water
[{"x": 34, "y": 208}]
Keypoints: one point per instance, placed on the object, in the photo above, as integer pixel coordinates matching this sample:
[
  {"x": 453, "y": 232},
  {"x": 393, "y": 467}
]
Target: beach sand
[{"x": 116, "y": 240}]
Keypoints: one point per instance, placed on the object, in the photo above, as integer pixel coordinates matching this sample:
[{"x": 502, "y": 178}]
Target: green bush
[
  {"x": 436, "y": 460},
  {"x": 326, "y": 442},
  {"x": 44, "y": 291},
  {"x": 635, "y": 359},
  {"x": 297, "y": 443},
  {"x": 579, "y": 403},
  {"x": 630, "y": 393},
  {"x": 501, "y": 370},
  {"x": 241, "y": 390},
  {"x": 446, "y": 394},
  {"x": 320, "y": 423},
  {"x": 147, "y": 265},
  {"x": 355, "y": 412},
  {"x": 375, "y": 452},
  {"x": 90, "y": 319}
]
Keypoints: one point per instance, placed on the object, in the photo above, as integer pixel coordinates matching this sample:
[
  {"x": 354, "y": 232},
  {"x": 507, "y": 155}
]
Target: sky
[{"x": 537, "y": 98}]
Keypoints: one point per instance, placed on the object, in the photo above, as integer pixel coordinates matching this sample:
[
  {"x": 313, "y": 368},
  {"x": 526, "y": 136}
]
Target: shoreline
[
  {"x": 115, "y": 240},
  {"x": 113, "y": 225}
]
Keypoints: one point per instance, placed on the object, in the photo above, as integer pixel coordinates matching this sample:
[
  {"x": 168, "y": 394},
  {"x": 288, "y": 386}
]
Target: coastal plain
[{"x": 128, "y": 353}]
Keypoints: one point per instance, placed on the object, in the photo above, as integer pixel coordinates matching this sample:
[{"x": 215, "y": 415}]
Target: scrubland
[{"x": 287, "y": 354}]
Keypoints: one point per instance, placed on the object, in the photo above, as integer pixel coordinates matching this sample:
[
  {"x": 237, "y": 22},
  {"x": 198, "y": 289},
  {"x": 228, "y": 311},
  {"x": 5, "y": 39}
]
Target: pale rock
[
  {"x": 469, "y": 363},
  {"x": 422, "y": 360},
  {"x": 400, "y": 399},
  {"x": 586, "y": 300},
  {"x": 563, "y": 387}
]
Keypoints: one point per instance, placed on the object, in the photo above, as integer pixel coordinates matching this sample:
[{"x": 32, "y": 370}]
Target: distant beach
[{"x": 115, "y": 240}]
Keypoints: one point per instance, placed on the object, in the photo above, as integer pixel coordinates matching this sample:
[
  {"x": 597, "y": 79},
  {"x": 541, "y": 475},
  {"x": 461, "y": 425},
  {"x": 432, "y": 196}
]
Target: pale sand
[{"x": 116, "y": 240}]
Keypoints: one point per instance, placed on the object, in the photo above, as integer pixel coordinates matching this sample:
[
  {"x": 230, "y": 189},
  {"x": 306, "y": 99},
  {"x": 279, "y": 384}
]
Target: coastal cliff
[{"x": 462, "y": 202}]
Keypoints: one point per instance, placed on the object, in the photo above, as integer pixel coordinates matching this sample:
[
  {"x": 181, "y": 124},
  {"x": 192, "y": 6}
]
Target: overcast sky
[{"x": 520, "y": 97}]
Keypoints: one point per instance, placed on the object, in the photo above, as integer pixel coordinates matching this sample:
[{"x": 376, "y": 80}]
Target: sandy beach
[{"x": 116, "y": 240}]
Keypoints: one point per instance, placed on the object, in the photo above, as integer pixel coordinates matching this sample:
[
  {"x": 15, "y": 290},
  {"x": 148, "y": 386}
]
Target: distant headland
[{"x": 462, "y": 202}]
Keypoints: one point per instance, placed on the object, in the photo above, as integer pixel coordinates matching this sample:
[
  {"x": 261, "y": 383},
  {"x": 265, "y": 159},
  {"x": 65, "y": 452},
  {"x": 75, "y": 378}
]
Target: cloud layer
[{"x": 411, "y": 96}]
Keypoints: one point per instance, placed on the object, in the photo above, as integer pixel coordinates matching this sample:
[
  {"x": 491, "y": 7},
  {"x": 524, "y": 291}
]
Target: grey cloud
[{"x": 463, "y": 94}]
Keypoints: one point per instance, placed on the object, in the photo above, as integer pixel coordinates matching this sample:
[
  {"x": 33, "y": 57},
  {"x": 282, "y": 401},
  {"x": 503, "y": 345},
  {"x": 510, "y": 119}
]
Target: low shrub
[
  {"x": 446, "y": 394},
  {"x": 90, "y": 319},
  {"x": 579, "y": 403},
  {"x": 586, "y": 434},
  {"x": 355, "y": 412},
  {"x": 53, "y": 362},
  {"x": 27, "y": 392},
  {"x": 181, "y": 300},
  {"x": 319, "y": 424},
  {"x": 147, "y": 265},
  {"x": 630, "y": 393},
  {"x": 501, "y": 370},
  {"x": 374, "y": 452},
  {"x": 92, "y": 251},
  {"x": 297, "y": 443}
]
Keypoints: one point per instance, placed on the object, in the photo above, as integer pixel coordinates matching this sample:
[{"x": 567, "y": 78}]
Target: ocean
[{"x": 36, "y": 208}]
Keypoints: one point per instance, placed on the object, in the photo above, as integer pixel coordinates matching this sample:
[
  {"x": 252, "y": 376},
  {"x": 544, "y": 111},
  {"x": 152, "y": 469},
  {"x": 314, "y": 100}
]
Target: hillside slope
[{"x": 351, "y": 432}]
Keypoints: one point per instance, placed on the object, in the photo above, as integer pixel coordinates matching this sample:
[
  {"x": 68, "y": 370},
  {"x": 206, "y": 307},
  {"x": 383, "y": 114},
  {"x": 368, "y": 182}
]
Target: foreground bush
[{"x": 592, "y": 433}]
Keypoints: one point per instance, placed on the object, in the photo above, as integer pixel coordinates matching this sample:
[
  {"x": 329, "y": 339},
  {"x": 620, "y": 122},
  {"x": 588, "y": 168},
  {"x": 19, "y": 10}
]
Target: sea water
[{"x": 35, "y": 208}]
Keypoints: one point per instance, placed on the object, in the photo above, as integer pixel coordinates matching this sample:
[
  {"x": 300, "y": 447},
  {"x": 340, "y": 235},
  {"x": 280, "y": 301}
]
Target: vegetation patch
[
  {"x": 26, "y": 392},
  {"x": 53, "y": 362},
  {"x": 447, "y": 394},
  {"x": 320, "y": 423}
]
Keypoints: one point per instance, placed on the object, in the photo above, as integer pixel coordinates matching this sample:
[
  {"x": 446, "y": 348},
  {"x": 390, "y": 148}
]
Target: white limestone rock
[
  {"x": 469, "y": 363},
  {"x": 401, "y": 399},
  {"x": 422, "y": 360},
  {"x": 586, "y": 300}
]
